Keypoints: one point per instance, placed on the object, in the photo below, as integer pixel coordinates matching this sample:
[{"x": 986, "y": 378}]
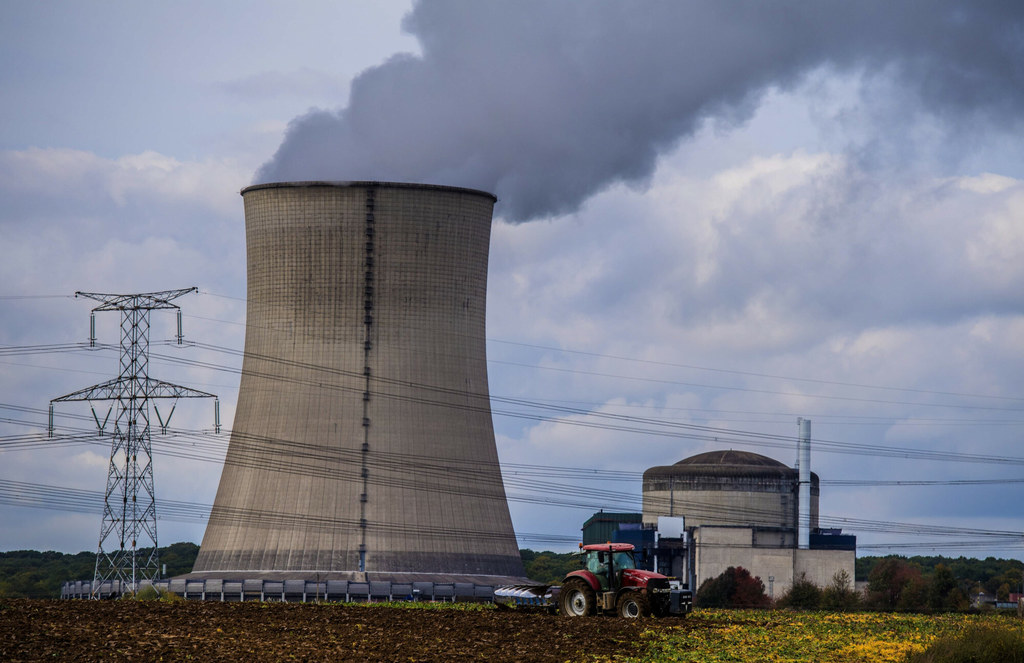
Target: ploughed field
[
  {"x": 152, "y": 630},
  {"x": 32, "y": 630}
]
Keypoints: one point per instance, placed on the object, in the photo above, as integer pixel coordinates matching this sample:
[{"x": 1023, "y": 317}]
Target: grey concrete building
[
  {"x": 362, "y": 447},
  {"x": 729, "y": 487},
  {"x": 741, "y": 509}
]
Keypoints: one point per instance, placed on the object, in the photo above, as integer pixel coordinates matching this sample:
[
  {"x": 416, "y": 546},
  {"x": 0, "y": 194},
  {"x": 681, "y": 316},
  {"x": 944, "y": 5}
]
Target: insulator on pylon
[
  {"x": 92, "y": 330},
  {"x": 180, "y": 335},
  {"x": 216, "y": 415},
  {"x": 50, "y": 427}
]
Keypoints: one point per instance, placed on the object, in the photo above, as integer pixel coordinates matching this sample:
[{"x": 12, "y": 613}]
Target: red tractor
[{"x": 610, "y": 582}]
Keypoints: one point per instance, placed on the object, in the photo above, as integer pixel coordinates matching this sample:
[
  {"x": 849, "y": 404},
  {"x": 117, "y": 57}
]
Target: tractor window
[
  {"x": 624, "y": 560},
  {"x": 595, "y": 562}
]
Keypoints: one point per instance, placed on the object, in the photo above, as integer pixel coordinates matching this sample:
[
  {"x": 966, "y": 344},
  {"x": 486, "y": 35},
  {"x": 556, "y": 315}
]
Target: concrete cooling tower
[{"x": 362, "y": 447}]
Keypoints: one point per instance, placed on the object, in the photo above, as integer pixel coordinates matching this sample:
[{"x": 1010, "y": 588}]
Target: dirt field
[{"x": 33, "y": 630}]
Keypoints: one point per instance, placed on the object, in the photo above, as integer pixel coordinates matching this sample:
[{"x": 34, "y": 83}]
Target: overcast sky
[{"x": 722, "y": 214}]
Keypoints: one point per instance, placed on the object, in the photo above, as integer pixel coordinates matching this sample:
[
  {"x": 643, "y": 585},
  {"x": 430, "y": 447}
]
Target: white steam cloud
[{"x": 547, "y": 103}]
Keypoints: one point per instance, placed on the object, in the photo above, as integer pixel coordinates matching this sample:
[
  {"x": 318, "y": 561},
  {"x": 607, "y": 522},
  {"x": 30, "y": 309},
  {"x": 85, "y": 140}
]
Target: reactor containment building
[{"x": 362, "y": 447}]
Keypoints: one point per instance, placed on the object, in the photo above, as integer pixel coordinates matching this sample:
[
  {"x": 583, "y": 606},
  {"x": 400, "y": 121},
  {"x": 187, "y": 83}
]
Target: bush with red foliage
[{"x": 734, "y": 588}]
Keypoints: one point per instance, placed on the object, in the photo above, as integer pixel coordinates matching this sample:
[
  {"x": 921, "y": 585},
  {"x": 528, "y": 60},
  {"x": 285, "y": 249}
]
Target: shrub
[
  {"x": 734, "y": 588},
  {"x": 803, "y": 595},
  {"x": 975, "y": 645},
  {"x": 147, "y": 593},
  {"x": 151, "y": 593},
  {"x": 840, "y": 594}
]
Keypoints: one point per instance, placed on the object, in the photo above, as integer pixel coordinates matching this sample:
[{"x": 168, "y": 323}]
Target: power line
[
  {"x": 15, "y": 297},
  {"x": 772, "y": 376},
  {"x": 430, "y": 473},
  {"x": 315, "y": 460},
  {"x": 851, "y": 420},
  {"x": 32, "y": 495},
  {"x": 754, "y": 374},
  {"x": 874, "y": 401},
  {"x": 912, "y": 482},
  {"x": 700, "y": 432},
  {"x": 556, "y": 413},
  {"x": 653, "y": 427}
]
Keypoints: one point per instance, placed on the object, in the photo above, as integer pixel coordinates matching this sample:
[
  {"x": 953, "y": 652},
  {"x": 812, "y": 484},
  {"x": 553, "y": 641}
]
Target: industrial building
[
  {"x": 362, "y": 448},
  {"x": 729, "y": 488},
  {"x": 731, "y": 508}
]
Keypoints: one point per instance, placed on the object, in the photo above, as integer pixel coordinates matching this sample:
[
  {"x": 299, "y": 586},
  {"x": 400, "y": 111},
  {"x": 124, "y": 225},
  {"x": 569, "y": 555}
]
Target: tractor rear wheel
[
  {"x": 577, "y": 599},
  {"x": 632, "y": 605}
]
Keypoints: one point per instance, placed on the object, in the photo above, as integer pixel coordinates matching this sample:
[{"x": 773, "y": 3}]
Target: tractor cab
[{"x": 607, "y": 561}]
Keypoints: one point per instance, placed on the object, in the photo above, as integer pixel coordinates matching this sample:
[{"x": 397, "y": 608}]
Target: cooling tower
[{"x": 362, "y": 446}]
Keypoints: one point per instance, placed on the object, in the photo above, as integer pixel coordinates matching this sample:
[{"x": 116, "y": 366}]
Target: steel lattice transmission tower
[{"x": 129, "y": 503}]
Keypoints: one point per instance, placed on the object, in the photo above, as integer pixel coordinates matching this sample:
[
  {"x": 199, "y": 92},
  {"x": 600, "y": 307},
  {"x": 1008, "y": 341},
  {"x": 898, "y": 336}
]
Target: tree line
[
  {"x": 996, "y": 577},
  {"x": 894, "y": 583},
  {"x": 40, "y": 575}
]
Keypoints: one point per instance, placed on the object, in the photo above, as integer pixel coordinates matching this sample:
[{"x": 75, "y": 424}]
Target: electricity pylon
[{"x": 129, "y": 502}]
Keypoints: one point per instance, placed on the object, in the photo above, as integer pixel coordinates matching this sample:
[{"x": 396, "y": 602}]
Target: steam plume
[{"x": 546, "y": 103}]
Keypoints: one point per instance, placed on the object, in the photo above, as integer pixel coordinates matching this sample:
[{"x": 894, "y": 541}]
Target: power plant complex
[{"x": 362, "y": 460}]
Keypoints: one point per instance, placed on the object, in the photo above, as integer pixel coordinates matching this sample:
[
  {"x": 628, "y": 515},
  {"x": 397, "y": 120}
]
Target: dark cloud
[{"x": 546, "y": 103}]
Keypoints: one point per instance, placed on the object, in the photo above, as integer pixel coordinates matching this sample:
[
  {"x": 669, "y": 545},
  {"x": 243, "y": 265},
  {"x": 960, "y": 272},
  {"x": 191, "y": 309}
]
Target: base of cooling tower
[{"x": 296, "y": 587}]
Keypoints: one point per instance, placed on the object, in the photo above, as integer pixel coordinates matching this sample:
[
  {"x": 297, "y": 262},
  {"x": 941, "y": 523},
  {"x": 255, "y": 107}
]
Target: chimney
[{"x": 803, "y": 450}]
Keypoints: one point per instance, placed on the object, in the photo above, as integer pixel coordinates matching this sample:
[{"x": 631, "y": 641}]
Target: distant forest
[
  {"x": 33, "y": 574},
  {"x": 39, "y": 575},
  {"x": 987, "y": 574}
]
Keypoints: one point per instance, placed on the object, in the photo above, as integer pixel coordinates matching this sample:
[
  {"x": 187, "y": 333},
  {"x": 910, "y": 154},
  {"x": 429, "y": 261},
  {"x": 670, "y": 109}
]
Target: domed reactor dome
[
  {"x": 362, "y": 446},
  {"x": 727, "y": 488}
]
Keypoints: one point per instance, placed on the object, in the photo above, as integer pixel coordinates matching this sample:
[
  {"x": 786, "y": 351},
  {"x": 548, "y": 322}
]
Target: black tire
[
  {"x": 633, "y": 605},
  {"x": 577, "y": 599}
]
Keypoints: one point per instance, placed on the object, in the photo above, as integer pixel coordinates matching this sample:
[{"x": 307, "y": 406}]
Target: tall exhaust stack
[
  {"x": 804, "y": 481},
  {"x": 362, "y": 446}
]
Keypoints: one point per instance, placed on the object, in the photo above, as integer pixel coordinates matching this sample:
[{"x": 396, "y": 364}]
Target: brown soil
[{"x": 148, "y": 631}]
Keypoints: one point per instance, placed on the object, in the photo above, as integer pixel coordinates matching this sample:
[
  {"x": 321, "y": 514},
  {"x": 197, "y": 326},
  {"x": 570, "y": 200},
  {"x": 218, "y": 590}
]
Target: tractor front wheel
[
  {"x": 577, "y": 599},
  {"x": 632, "y": 605}
]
